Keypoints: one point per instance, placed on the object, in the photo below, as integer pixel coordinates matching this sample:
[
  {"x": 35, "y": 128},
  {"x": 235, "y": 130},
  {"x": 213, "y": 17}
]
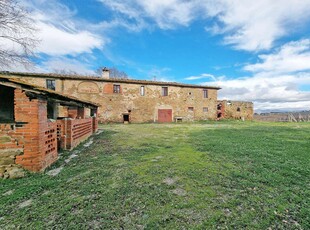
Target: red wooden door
[{"x": 164, "y": 115}]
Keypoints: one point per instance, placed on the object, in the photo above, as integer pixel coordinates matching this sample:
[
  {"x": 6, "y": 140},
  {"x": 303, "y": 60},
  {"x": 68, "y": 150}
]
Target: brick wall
[
  {"x": 31, "y": 142},
  {"x": 72, "y": 132},
  {"x": 49, "y": 145},
  {"x": 39, "y": 135}
]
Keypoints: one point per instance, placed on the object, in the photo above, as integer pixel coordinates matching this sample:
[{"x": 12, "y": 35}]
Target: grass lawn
[{"x": 175, "y": 176}]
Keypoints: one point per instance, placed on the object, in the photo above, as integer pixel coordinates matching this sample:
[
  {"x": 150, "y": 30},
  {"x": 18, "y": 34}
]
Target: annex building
[{"x": 31, "y": 133}]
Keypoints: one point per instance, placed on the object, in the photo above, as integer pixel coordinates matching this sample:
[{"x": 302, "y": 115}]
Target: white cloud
[
  {"x": 201, "y": 76},
  {"x": 277, "y": 81},
  {"x": 291, "y": 57},
  {"x": 29, "y": 68},
  {"x": 58, "y": 65},
  {"x": 246, "y": 25},
  {"x": 255, "y": 25},
  {"x": 62, "y": 64},
  {"x": 268, "y": 91},
  {"x": 166, "y": 14},
  {"x": 55, "y": 41},
  {"x": 156, "y": 73},
  {"x": 60, "y": 33}
]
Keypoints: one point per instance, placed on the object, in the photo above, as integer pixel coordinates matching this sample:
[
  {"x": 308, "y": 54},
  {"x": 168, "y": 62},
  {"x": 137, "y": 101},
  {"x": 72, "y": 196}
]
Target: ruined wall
[
  {"x": 237, "y": 109},
  {"x": 139, "y": 108}
]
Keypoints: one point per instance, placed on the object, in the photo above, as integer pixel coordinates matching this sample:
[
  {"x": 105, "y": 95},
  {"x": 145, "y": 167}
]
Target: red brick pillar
[
  {"x": 39, "y": 136},
  {"x": 95, "y": 124},
  {"x": 94, "y": 114},
  {"x": 61, "y": 127},
  {"x": 27, "y": 113},
  {"x": 69, "y": 131}
]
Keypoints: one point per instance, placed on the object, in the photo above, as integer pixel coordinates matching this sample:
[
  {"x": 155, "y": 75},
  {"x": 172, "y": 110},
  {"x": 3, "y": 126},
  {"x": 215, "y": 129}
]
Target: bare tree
[
  {"x": 17, "y": 40},
  {"x": 114, "y": 73},
  {"x": 65, "y": 72}
]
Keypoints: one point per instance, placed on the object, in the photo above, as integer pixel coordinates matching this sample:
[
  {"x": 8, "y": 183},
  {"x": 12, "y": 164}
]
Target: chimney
[{"x": 105, "y": 73}]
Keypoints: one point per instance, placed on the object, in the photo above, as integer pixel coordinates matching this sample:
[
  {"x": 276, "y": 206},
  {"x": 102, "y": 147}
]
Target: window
[
  {"x": 116, "y": 89},
  {"x": 6, "y": 104},
  {"x": 190, "y": 109},
  {"x": 142, "y": 92},
  {"x": 238, "y": 109},
  {"x": 205, "y": 109},
  {"x": 164, "y": 91},
  {"x": 50, "y": 110},
  {"x": 50, "y": 84},
  {"x": 205, "y": 93},
  {"x": 125, "y": 118}
]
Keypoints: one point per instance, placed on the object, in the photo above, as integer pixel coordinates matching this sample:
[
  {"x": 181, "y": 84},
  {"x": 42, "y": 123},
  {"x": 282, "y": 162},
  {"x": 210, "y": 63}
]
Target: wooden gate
[{"x": 164, "y": 115}]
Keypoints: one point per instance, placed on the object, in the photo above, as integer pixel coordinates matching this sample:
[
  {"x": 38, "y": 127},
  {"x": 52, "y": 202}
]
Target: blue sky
[{"x": 255, "y": 50}]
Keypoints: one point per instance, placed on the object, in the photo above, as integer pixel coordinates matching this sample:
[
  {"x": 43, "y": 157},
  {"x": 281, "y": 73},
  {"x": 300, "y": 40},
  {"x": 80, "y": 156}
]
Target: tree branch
[{"x": 17, "y": 34}]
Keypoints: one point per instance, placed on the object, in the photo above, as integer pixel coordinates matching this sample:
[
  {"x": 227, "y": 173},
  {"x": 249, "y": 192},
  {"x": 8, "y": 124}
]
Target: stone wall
[
  {"x": 236, "y": 110},
  {"x": 10, "y": 148},
  {"x": 186, "y": 102}
]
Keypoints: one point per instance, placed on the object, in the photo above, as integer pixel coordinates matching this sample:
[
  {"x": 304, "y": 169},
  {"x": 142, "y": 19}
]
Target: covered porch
[{"x": 36, "y": 122}]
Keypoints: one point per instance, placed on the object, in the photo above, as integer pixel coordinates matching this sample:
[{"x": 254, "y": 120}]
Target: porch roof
[{"x": 48, "y": 94}]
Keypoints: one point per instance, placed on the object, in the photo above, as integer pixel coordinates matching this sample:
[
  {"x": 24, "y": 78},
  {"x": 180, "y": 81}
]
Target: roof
[
  {"x": 47, "y": 93},
  {"x": 83, "y": 77}
]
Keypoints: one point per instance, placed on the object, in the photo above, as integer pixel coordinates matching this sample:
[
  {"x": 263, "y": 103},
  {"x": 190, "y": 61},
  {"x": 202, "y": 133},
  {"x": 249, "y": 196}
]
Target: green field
[{"x": 225, "y": 175}]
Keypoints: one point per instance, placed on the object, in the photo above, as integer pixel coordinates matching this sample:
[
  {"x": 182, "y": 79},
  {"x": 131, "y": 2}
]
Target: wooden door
[{"x": 164, "y": 115}]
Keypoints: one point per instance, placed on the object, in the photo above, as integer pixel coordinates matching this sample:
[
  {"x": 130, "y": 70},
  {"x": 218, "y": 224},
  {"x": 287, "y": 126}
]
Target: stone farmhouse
[
  {"x": 127, "y": 100},
  {"x": 30, "y": 133},
  {"x": 42, "y": 113}
]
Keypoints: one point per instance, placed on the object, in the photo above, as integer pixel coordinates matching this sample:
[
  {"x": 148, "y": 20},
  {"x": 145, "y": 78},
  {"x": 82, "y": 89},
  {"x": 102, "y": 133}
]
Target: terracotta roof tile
[
  {"x": 27, "y": 86},
  {"x": 93, "y": 78}
]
